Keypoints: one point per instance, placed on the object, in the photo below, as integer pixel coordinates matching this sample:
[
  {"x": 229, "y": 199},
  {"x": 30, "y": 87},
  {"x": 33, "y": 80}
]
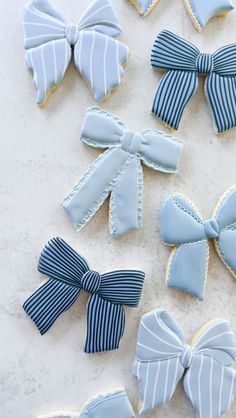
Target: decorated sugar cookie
[
  {"x": 201, "y": 11},
  {"x": 113, "y": 404},
  {"x": 68, "y": 273},
  {"x": 163, "y": 359},
  {"x": 144, "y": 7},
  {"x": 183, "y": 227},
  {"x": 118, "y": 171},
  {"x": 50, "y": 43},
  {"x": 183, "y": 63}
]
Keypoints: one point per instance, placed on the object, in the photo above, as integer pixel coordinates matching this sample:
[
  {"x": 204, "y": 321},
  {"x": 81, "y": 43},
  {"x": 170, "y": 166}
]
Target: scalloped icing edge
[
  {"x": 77, "y": 414},
  {"x": 194, "y": 18},
  {"x": 112, "y": 222},
  {"x": 175, "y": 248},
  {"x": 217, "y": 207},
  {"x": 149, "y": 9}
]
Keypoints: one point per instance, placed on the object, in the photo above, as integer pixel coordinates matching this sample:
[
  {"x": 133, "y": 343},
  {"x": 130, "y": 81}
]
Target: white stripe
[
  {"x": 155, "y": 384},
  {"x": 104, "y": 66},
  {"x": 91, "y": 60},
  {"x": 221, "y": 390},
  {"x": 44, "y": 73},
  {"x": 146, "y": 385},
  {"x": 166, "y": 381},
  {"x": 65, "y": 65},
  {"x": 100, "y": 22},
  {"x": 175, "y": 378},
  {"x": 44, "y": 25},
  {"x": 166, "y": 329},
  {"x": 44, "y": 16},
  {"x": 157, "y": 337},
  {"x": 199, "y": 387},
  {"x": 231, "y": 389},
  {"x": 213, "y": 338},
  {"x": 138, "y": 370},
  {"x": 173, "y": 355},
  {"x": 81, "y": 22},
  {"x": 55, "y": 62},
  {"x": 43, "y": 36},
  {"x": 189, "y": 386},
  {"x": 210, "y": 387}
]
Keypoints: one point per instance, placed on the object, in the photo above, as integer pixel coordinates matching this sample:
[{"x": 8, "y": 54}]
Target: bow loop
[
  {"x": 204, "y": 64},
  {"x": 91, "y": 281}
]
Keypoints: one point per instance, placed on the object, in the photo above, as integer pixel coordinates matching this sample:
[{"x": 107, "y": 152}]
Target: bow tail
[
  {"x": 93, "y": 188},
  {"x": 210, "y": 386},
  {"x": 157, "y": 381},
  {"x": 173, "y": 93},
  {"x": 48, "y": 63},
  {"x": 127, "y": 198},
  {"x": 221, "y": 95},
  {"x": 48, "y": 302},
  {"x": 105, "y": 325}
]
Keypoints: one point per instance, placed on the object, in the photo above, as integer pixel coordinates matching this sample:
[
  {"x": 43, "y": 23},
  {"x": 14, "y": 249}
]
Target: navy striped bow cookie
[
  {"x": 183, "y": 62},
  {"x": 68, "y": 274}
]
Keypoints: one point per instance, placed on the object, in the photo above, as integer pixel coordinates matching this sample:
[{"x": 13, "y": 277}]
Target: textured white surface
[{"x": 41, "y": 158}]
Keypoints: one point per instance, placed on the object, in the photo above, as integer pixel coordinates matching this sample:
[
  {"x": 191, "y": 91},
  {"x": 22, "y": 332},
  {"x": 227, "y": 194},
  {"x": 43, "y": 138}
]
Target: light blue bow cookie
[
  {"x": 201, "y": 11},
  {"x": 118, "y": 170},
  {"x": 68, "y": 274},
  {"x": 183, "y": 62},
  {"x": 144, "y": 7},
  {"x": 183, "y": 227},
  {"x": 50, "y": 41},
  {"x": 163, "y": 358},
  {"x": 113, "y": 404}
]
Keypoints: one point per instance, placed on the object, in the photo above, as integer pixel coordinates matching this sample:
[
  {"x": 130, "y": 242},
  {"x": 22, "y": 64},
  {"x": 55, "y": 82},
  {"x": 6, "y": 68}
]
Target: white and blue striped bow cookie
[
  {"x": 183, "y": 227},
  {"x": 163, "y": 358},
  {"x": 118, "y": 170},
  {"x": 50, "y": 42},
  {"x": 68, "y": 274},
  {"x": 183, "y": 62}
]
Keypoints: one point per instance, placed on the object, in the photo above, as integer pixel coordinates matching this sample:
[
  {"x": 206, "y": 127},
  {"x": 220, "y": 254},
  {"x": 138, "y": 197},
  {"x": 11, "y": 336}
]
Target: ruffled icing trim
[
  {"x": 112, "y": 206},
  {"x": 193, "y": 17},
  {"x": 92, "y": 168},
  {"x": 91, "y": 142},
  {"x": 173, "y": 252},
  {"x": 148, "y": 10}
]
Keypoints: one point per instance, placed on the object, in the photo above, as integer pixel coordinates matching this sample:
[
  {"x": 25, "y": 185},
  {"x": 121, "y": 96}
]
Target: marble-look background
[{"x": 41, "y": 158}]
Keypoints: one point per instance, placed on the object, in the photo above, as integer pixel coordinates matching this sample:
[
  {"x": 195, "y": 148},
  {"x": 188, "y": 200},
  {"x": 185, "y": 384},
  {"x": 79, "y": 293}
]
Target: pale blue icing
[
  {"x": 163, "y": 358},
  {"x": 114, "y": 404},
  {"x": 143, "y": 5},
  {"x": 182, "y": 226},
  {"x": 204, "y": 10},
  {"x": 118, "y": 170},
  {"x": 48, "y": 41}
]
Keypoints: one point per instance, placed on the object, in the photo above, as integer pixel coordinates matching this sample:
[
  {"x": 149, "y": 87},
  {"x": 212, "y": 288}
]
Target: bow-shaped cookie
[
  {"x": 183, "y": 227},
  {"x": 68, "y": 274},
  {"x": 50, "y": 42},
  {"x": 183, "y": 62},
  {"x": 113, "y": 404},
  {"x": 163, "y": 358},
  {"x": 118, "y": 170}
]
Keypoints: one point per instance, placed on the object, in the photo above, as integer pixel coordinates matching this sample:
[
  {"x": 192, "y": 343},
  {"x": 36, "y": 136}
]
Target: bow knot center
[
  {"x": 72, "y": 33},
  {"x": 186, "y": 356},
  {"x": 91, "y": 281},
  {"x": 211, "y": 228},
  {"x": 131, "y": 142},
  {"x": 204, "y": 64}
]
